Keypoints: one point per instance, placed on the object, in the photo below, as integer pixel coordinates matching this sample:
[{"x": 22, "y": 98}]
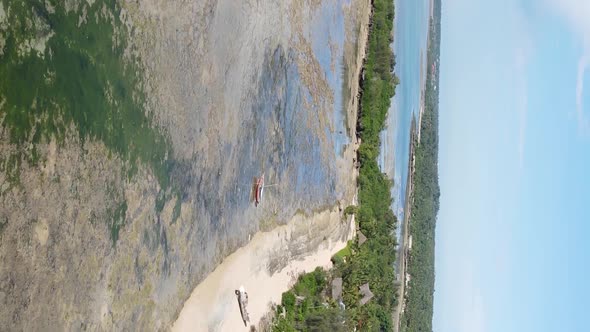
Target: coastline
[
  {"x": 403, "y": 249},
  {"x": 357, "y": 265},
  {"x": 415, "y": 134},
  {"x": 304, "y": 243}
]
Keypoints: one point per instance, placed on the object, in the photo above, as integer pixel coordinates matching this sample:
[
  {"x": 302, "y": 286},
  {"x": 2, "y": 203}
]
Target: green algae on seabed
[
  {"x": 117, "y": 220},
  {"x": 64, "y": 68}
]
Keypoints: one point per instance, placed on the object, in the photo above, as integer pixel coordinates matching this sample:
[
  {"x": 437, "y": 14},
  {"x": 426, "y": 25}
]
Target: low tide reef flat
[{"x": 131, "y": 132}]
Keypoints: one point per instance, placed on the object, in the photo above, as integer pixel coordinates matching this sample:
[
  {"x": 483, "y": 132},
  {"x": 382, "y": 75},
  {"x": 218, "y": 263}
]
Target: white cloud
[
  {"x": 522, "y": 54},
  {"x": 577, "y": 15}
]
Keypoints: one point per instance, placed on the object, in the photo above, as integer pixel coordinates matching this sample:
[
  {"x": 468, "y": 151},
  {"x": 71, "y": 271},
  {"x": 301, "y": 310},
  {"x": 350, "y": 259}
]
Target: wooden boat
[
  {"x": 243, "y": 302},
  {"x": 258, "y": 189}
]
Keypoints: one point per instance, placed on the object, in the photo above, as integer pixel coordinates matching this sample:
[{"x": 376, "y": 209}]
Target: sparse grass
[
  {"x": 342, "y": 254},
  {"x": 351, "y": 209}
]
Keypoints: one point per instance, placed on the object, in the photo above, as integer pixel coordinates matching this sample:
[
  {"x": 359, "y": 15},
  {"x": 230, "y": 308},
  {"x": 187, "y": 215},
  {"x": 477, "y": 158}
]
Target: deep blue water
[{"x": 410, "y": 36}]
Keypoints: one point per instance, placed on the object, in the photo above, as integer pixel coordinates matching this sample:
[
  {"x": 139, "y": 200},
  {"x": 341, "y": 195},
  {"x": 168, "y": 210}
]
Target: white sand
[{"x": 213, "y": 305}]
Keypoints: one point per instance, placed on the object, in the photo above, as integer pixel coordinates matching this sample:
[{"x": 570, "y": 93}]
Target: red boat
[{"x": 258, "y": 188}]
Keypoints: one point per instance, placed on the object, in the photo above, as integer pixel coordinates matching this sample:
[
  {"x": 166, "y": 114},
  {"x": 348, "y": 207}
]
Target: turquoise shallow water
[{"x": 410, "y": 37}]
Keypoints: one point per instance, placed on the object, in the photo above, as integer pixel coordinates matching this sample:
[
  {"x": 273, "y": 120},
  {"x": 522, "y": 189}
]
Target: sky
[{"x": 513, "y": 230}]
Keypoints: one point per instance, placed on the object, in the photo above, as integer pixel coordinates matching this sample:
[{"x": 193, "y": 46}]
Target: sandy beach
[{"x": 213, "y": 305}]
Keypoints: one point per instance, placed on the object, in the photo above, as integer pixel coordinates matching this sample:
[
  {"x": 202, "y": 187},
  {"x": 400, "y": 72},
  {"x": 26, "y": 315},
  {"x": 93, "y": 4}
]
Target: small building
[
  {"x": 361, "y": 238},
  {"x": 366, "y": 292},
  {"x": 299, "y": 299}
]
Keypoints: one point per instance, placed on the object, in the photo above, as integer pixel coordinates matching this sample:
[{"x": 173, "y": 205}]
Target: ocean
[{"x": 409, "y": 46}]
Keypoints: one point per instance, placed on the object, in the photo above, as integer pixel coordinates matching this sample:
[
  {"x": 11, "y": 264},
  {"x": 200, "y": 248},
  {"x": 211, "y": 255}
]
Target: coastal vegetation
[
  {"x": 304, "y": 308},
  {"x": 419, "y": 295},
  {"x": 309, "y": 303}
]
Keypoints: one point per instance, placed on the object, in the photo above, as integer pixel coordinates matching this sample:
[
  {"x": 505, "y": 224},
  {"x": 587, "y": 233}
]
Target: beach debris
[{"x": 243, "y": 302}]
